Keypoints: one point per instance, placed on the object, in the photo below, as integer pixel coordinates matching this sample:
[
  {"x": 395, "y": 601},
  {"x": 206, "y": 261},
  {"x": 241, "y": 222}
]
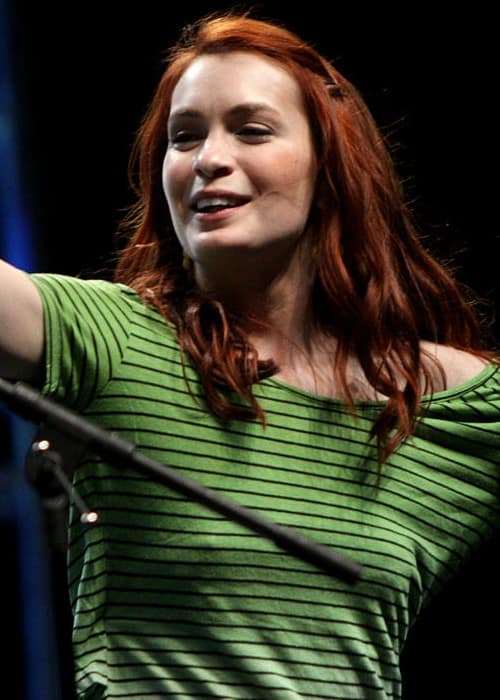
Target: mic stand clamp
[{"x": 44, "y": 470}]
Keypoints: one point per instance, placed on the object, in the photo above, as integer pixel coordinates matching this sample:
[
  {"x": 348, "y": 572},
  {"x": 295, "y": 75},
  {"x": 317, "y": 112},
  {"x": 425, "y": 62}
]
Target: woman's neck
[{"x": 278, "y": 298}]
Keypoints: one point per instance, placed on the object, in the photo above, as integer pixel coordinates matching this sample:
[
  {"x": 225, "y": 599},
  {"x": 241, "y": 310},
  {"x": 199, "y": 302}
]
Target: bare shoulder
[{"x": 459, "y": 367}]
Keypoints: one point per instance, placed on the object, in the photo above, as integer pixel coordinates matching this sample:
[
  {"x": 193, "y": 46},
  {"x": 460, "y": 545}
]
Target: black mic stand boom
[{"x": 30, "y": 404}]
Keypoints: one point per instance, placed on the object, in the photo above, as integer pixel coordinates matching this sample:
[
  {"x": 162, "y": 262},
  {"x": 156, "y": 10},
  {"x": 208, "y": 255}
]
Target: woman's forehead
[{"x": 239, "y": 77}]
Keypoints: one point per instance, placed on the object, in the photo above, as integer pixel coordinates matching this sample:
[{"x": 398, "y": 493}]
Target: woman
[{"x": 277, "y": 332}]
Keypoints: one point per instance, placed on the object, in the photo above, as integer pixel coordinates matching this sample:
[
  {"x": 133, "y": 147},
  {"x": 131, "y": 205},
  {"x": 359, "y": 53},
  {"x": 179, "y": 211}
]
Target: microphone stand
[{"x": 45, "y": 470}]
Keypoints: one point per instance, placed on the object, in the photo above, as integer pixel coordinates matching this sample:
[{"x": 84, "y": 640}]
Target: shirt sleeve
[{"x": 86, "y": 326}]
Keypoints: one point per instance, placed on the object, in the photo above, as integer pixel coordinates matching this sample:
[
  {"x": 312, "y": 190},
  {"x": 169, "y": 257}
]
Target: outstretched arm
[{"x": 21, "y": 325}]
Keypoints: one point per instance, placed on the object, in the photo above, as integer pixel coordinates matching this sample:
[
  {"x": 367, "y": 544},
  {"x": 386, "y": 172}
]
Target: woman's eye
[
  {"x": 183, "y": 138},
  {"x": 251, "y": 131}
]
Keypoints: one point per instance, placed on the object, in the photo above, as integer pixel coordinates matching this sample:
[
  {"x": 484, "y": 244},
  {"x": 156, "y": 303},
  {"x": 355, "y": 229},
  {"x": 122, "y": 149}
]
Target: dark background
[{"x": 84, "y": 75}]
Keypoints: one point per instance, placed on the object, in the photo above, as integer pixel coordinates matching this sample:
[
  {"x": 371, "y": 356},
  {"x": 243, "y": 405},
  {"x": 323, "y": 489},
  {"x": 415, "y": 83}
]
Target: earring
[{"x": 187, "y": 263}]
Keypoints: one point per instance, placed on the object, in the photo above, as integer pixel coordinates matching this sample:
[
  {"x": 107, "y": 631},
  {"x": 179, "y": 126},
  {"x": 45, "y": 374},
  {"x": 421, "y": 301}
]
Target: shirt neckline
[{"x": 453, "y": 392}]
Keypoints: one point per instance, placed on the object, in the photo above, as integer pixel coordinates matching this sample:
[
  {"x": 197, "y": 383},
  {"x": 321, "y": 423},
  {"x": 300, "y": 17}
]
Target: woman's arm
[{"x": 21, "y": 325}]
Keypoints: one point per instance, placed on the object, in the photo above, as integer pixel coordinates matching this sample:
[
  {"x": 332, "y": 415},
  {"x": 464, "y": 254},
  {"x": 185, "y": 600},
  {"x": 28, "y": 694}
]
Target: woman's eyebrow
[
  {"x": 243, "y": 109},
  {"x": 247, "y": 108},
  {"x": 183, "y": 112}
]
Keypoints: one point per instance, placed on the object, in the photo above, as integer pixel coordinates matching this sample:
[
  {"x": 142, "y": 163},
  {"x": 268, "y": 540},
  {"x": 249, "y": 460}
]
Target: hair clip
[{"x": 334, "y": 89}]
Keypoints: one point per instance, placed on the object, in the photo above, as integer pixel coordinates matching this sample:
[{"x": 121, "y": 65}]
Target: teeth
[{"x": 210, "y": 202}]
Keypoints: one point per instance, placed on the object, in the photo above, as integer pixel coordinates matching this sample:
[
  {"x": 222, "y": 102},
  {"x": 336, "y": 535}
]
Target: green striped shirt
[{"x": 173, "y": 600}]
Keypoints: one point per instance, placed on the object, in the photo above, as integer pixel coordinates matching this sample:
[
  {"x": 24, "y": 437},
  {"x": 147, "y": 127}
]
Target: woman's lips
[{"x": 219, "y": 214}]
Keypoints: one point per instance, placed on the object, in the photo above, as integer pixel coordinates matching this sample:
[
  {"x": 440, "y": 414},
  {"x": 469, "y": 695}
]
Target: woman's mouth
[{"x": 214, "y": 207}]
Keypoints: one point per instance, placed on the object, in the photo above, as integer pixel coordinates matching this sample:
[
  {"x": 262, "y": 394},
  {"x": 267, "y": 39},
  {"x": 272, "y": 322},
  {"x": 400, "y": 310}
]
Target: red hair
[{"x": 377, "y": 290}]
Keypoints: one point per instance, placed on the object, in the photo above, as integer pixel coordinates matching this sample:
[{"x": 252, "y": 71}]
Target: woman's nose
[{"x": 213, "y": 158}]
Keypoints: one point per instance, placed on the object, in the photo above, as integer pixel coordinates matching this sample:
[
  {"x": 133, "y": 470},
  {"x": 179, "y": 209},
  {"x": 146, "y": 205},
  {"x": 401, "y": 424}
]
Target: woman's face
[{"x": 239, "y": 171}]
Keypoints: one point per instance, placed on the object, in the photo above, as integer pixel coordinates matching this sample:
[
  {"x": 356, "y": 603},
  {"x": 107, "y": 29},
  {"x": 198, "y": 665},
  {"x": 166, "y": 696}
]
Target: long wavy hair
[{"x": 377, "y": 291}]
